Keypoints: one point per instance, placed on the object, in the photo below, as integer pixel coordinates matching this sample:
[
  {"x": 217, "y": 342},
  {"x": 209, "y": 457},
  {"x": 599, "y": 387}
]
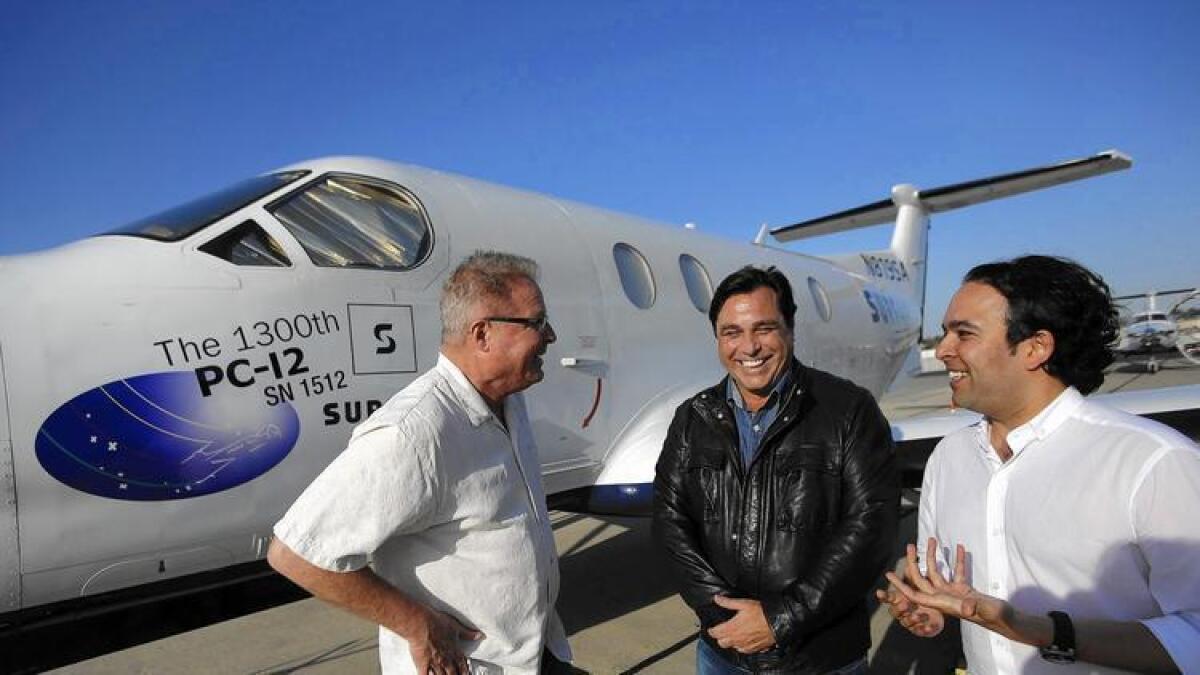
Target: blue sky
[{"x": 724, "y": 114}]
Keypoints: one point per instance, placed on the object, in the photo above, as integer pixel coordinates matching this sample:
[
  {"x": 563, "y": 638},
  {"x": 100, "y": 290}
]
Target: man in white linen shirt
[
  {"x": 440, "y": 492},
  {"x": 1078, "y": 523}
]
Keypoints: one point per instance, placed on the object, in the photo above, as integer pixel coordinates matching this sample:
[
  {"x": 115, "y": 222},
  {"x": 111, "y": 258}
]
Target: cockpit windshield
[{"x": 186, "y": 219}]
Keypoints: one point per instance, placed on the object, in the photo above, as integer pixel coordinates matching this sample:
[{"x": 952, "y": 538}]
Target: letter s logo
[
  {"x": 871, "y": 304},
  {"x": 388, "y": 345}
]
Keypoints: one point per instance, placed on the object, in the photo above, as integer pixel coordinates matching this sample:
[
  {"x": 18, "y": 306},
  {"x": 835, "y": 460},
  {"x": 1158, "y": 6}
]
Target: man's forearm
[
  {"x": 678, "y": 533},
  {"x": 360, "y": 592},
  {"x": 1128, "y": 645},
  {"x": 698, "y": 580}
]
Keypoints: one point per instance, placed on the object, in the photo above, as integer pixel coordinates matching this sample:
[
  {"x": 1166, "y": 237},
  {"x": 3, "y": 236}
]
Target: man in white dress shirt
[
  {"x": 1066, "y": 534},
  {"x": 440, "y": 491}
]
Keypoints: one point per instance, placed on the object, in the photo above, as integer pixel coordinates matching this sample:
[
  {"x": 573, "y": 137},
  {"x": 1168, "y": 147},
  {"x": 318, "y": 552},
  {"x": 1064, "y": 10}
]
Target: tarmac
[
  {"x": 618, "y": 598},
  {"x": 618, "y": 603}
]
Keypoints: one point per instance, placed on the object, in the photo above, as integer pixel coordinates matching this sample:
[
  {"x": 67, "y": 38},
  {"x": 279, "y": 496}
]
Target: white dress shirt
[
  {"x": 448, "y": 507},
  {"x": 1097, "y": 514}
]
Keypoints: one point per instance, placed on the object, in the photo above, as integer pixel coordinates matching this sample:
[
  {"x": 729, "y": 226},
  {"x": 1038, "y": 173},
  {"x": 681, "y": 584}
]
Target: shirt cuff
[{"x": 1179, "y": 634}]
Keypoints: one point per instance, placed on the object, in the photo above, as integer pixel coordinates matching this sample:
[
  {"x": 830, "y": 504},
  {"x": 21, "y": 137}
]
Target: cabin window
[
  {"x": 248, "y": 245},
  {"x": 636, "y": 277},
  {"x": 699, "y": 285},
  {"x": 348, "y": 221},
  {"x": 820, "y": 299}
]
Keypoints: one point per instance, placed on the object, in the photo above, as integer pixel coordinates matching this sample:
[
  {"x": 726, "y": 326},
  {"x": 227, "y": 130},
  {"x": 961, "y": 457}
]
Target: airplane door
[
  {"x": 10, "y": 560},
  {"x": 569, "y": 409}
]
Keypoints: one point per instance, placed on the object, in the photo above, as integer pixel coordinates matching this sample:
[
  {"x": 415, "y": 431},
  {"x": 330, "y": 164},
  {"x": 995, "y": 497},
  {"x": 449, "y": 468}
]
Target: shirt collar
[
  {"x": 471, "y": 400},
  {"x": 734, "y": 396},
  {"x": 1047, "y": 421},
  {"x": 1042, "y": 425}
]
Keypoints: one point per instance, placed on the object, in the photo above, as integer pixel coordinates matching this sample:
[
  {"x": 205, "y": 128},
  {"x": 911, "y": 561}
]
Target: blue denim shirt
[{"x": 752, "y": 426}]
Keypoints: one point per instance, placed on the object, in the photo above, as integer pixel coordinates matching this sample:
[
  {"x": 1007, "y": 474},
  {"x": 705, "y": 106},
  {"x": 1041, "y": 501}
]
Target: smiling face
[
  {"x": 516, "y": 349},
  {"x": 753, "y": 343},
  {"x": 987, "y": 374}
]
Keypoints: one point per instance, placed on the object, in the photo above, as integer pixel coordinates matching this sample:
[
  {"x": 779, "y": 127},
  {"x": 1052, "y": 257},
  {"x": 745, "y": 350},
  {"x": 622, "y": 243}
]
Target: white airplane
[
  {"x": 1186, "y": 313},
  {"x": 168, "y": 388},
  {"x": 1153, "y": 332}
]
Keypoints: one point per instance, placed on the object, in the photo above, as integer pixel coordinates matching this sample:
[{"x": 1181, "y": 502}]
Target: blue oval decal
[{"x": 155, "y": 437}]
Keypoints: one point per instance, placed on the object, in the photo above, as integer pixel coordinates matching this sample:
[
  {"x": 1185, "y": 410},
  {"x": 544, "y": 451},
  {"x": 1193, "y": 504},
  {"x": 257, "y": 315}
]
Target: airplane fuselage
[{"x": 167, "y": 399}]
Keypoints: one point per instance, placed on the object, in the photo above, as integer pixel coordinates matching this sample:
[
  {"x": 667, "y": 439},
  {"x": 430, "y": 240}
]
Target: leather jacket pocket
[
  {"x": 807, "y": 487},
  {"x": 705, "y": 469}
]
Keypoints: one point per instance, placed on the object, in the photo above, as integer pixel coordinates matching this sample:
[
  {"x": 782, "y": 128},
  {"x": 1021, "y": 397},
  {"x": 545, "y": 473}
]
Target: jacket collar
[{"x": 714, "y": 398}]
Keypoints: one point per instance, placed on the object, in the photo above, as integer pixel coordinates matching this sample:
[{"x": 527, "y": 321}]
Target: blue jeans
[{"x": 709, "y": 662}]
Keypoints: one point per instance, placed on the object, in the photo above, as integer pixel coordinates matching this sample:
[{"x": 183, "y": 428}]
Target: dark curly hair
[
  {"x": 1065, "y": 299},
  {"x": 749, "y": 279}
]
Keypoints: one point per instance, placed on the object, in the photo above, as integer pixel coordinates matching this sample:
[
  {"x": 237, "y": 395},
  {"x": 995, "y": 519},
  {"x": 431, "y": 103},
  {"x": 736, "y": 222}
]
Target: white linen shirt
[
  {"x": 1097, "y": 514},
  {"x": 449, "y": 508}
]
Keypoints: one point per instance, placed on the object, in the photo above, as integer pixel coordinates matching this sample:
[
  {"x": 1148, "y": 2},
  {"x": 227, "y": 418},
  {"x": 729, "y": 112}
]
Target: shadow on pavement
[{"x": 612, "y": 578}]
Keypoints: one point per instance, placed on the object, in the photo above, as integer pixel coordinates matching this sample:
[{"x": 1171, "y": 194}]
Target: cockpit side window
[
  {"x": 248, "y": 245},
  {"x": 349, "y": 221},
  {"x": 187, "y": 219}
]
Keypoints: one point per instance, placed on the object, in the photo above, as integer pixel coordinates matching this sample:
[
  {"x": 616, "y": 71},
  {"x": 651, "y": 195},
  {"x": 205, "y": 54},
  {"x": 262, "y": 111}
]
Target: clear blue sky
[{"x": 725, "y": 114}]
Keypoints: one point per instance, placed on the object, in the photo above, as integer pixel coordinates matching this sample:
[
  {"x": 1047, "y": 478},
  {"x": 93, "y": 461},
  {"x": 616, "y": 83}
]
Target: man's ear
[
  {"x": 478, "y": 335},
  {"x": 1039, "y": 348}
]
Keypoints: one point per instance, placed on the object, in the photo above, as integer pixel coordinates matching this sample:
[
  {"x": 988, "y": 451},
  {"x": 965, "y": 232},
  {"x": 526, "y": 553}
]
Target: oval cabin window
[
  {"x": 636, "y": 277},
  {"x": 820, "y": 299},
  {"x": 699, "y": 285}
]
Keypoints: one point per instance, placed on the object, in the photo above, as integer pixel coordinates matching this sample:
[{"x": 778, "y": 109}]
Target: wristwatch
[{"x": 1062, "y": 645}]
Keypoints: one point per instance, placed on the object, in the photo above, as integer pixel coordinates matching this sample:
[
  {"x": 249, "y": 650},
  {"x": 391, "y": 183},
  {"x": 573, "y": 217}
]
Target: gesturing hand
[
  {"x": 918, "y": 620},
  {"x": 747, "y": 631},
  {"x": 954, "y": 596},
  {"x": 435, "y": 649}
]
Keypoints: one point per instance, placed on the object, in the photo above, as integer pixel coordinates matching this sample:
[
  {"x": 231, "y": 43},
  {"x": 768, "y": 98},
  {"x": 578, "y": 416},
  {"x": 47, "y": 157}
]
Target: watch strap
[{"x": 1062, "y": 644}]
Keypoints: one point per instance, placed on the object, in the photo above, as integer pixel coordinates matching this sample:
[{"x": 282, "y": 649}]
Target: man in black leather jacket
[{"x": 776, "y": 497}]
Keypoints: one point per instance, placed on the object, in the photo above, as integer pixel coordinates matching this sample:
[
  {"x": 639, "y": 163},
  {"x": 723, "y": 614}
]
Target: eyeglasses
[{"x": 538, "y": 324}]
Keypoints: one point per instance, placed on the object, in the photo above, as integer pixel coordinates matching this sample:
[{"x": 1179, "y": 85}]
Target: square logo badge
[{"x": 382, "y": 340}]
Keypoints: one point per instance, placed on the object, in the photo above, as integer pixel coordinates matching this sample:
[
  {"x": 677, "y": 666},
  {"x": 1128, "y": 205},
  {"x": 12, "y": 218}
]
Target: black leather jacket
[{"x": 806, "y": 530}]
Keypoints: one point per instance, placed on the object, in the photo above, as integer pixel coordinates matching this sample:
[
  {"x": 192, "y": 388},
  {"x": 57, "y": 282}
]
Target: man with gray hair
[{"x": 440, "y": 491}]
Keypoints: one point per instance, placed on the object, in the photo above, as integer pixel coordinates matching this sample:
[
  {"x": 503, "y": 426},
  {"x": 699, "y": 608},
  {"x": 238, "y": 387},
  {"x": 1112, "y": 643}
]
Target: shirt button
[
  {"x": 995, "y": 585},
  {"x": 735, "y": 536}
]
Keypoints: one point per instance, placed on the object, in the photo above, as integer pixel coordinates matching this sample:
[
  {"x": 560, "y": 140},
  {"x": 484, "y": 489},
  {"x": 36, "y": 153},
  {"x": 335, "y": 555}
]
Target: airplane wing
[{"x": 1177, "y": 407}]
